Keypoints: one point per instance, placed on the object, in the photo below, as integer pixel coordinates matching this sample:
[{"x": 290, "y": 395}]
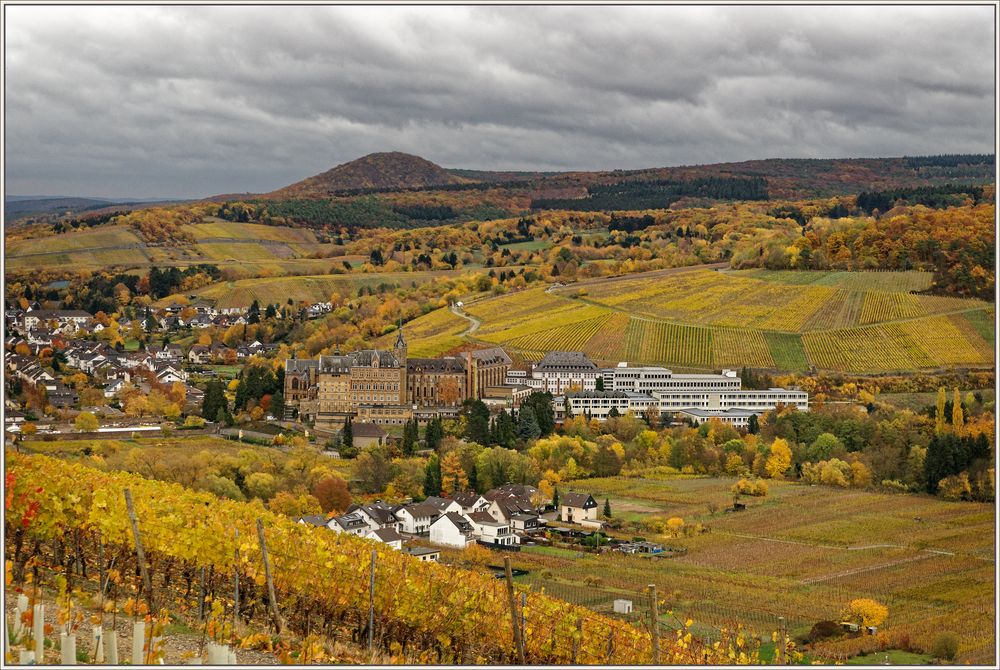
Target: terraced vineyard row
[
  {"x": 739, "y": 300},
  {"x": 932, "y": 342},
  {"x": 905, "y": 282}
]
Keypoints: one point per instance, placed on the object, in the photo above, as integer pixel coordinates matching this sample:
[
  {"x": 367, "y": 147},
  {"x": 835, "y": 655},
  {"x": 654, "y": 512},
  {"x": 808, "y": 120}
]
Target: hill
[
  {"x": 385, "y": 170},
  {"x": 698, "y": 319}
]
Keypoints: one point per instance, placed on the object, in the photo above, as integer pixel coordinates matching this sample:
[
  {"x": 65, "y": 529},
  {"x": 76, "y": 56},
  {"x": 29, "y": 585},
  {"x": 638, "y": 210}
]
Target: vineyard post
[
  {"x": 518, "y": 642},
  {"x": 146, "y": 582},
  {"x": 267, "y": 574},
  {"x": 371, "y": 603},
  {"x": 654, "y": 624},
  {"x": 781, "y": 640},
  {"x": 524, "y": 602},
  {"x": 577, "y": 639},
  {"x": 201, "y": 593},
  {"x": 236, "y": 584}
]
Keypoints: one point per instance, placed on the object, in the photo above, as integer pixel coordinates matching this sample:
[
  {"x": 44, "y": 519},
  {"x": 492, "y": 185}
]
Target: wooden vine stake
[
  {"x": 267, "y": 575},
  {"x": 147, "y": 585},
  {"x": 654, "y": 624},
  {"x": 518, "y": 642},
  {"x": 371, "y": 604},
  {"x": 782, "y": 641},
  {"x": 236, "y": 585}
]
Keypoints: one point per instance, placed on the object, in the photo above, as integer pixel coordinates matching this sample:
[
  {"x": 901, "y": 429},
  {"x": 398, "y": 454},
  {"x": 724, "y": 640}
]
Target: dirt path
[{"x": 475, "y": 323}]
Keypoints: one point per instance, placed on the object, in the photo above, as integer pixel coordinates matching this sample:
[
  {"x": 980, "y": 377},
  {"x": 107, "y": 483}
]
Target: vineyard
[
  {"x": 71, "y": 519},
  {"x": 432, "y": 334},
  {"x": 317, "y": 288},
  {"x": 701, "y": 319},
  {"x": 801, "y": 553}
]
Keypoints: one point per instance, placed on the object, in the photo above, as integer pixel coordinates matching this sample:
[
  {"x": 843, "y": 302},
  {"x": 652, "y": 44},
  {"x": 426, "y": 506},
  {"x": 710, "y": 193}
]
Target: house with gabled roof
[
  {"x": 443, "y": 505},
  {"x": 578, "y": 508},
  {"x": 452, "y": 530},
  {"x": 352, "y": 523},
  {"x": 471, "y": 501},
  {"x": 378, "y": 515},
  {"x": 387, "y": 536},
  {"x": 492, "y": 532},
  {"x": 416, "y": 519}
]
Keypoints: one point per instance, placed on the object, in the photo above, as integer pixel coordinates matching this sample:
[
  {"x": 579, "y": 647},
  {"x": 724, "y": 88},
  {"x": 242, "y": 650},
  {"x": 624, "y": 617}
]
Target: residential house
[
  {"x": 367, "y": 434},
  {"x": 578, "y": 508},
  {"x": 200, "y": 354},
  {"x": 444, "y": 505},
  {"x": 113, "y": 388},
  {"x": 423, "y": 553},
  {"x": 378, "y": 516},
  {"x": 471, "y": 502},
  {"x": 351, "y": 523},
  {"x": 452, "y": 530},
  {"x": 388, "y": 536},
  {"x": 416, "y": 519},
  {"x": 490, "y": 531}
]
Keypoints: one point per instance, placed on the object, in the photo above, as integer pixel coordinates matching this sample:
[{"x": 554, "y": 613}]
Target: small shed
[{"x": 623, "y": 606}]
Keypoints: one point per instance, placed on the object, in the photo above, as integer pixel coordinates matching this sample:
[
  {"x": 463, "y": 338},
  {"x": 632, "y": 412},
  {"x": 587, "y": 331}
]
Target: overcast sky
[{"x": 192, "y": 101}]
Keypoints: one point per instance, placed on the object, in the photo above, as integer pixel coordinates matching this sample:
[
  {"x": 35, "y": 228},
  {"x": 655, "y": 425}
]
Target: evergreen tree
[
  {"x": 277, "y": 407},
  {"x": 270, "y": 312},
  {"x": 348, "y": 434},
  {"x": 541, "y": 405},
  {"x": 946, "y": 456},
  {"x": 555, "y": 498},
  {"x": 433, "y": 433},
  {"x": 527, "y": 424},
  {"x": 752, "y": 426},
  {"x": 599, "y": 384},
  {"x": 432, "y": 476},
  {"x": 614, "y": 413},
  {"x": 568, "y": 408},
  {"x": 607, "y": 508},
  {"x": 409, "y": 436},
  {"x": 477, "y": 416},
  {"x": 214, "y": 400},
  {"x": 253, "y": 315},
  {"x": 506, "y": 430}
]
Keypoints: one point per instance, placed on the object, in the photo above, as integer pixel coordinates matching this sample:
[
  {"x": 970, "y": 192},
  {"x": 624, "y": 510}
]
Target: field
[
  {"x": 802, "y": 553},
  {"x": 315, "y": 288},
  {"x": 700, "y": 319},
  {"x": 253, "y": 248}
]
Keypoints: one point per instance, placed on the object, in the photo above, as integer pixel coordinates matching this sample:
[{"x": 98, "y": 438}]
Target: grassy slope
[{"x": 703, "y": 319}]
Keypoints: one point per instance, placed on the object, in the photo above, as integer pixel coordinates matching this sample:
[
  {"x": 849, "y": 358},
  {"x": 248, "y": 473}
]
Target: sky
[{"x": 179, "y": 101}]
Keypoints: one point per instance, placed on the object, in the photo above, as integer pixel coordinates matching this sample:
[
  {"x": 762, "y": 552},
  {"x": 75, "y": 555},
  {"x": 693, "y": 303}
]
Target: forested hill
[{"x": 387, "y": 170}]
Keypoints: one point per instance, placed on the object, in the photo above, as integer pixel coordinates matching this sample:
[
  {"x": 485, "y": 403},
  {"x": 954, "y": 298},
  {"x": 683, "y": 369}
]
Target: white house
[
  {"x": 378, "y": 516},
  {"x": 387, "y": 536},
  {"x": 471, "y": 502},
  {"x": 416, "y": 519},
  {"x": 349, "y": 523},
  {"x": 423, "y": 553},
  {"x": 577, "y": 508},
  {"x": 452, "y": 530},
  {"x": 444, "y": 505},
  {"x": 490, "y": 531}
]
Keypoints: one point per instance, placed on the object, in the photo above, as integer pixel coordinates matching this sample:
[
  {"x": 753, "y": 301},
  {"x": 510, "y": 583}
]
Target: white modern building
[
  {"x": 694, "y": 396},
  {"x": 558, "y": 372}
]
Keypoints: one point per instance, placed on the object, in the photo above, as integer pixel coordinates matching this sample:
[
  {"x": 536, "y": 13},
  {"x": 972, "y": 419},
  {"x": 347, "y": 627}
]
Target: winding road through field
[{"x": 473, "y": 321}]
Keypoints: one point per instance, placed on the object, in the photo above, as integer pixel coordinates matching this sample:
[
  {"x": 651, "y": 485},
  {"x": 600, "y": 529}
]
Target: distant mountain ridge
[{"x": 383, "y": 170}]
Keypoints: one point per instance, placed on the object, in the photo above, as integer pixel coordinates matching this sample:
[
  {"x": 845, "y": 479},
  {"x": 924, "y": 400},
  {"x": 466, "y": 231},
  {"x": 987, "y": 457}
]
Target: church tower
[{"x": 400, "y": 347}]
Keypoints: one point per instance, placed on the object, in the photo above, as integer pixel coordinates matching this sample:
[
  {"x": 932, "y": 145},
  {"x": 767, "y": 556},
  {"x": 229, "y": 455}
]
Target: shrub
[
  {"x": 822, "y": 630},
  {"x": 945, "y": 647}
]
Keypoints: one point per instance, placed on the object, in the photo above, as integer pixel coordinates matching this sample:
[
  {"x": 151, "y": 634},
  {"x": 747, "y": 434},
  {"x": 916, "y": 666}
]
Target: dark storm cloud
[{"x": 185, "y": 101}]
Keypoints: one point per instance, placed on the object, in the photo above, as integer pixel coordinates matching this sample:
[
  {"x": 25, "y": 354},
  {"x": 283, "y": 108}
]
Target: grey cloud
[{"x": 190, "y": 101}]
